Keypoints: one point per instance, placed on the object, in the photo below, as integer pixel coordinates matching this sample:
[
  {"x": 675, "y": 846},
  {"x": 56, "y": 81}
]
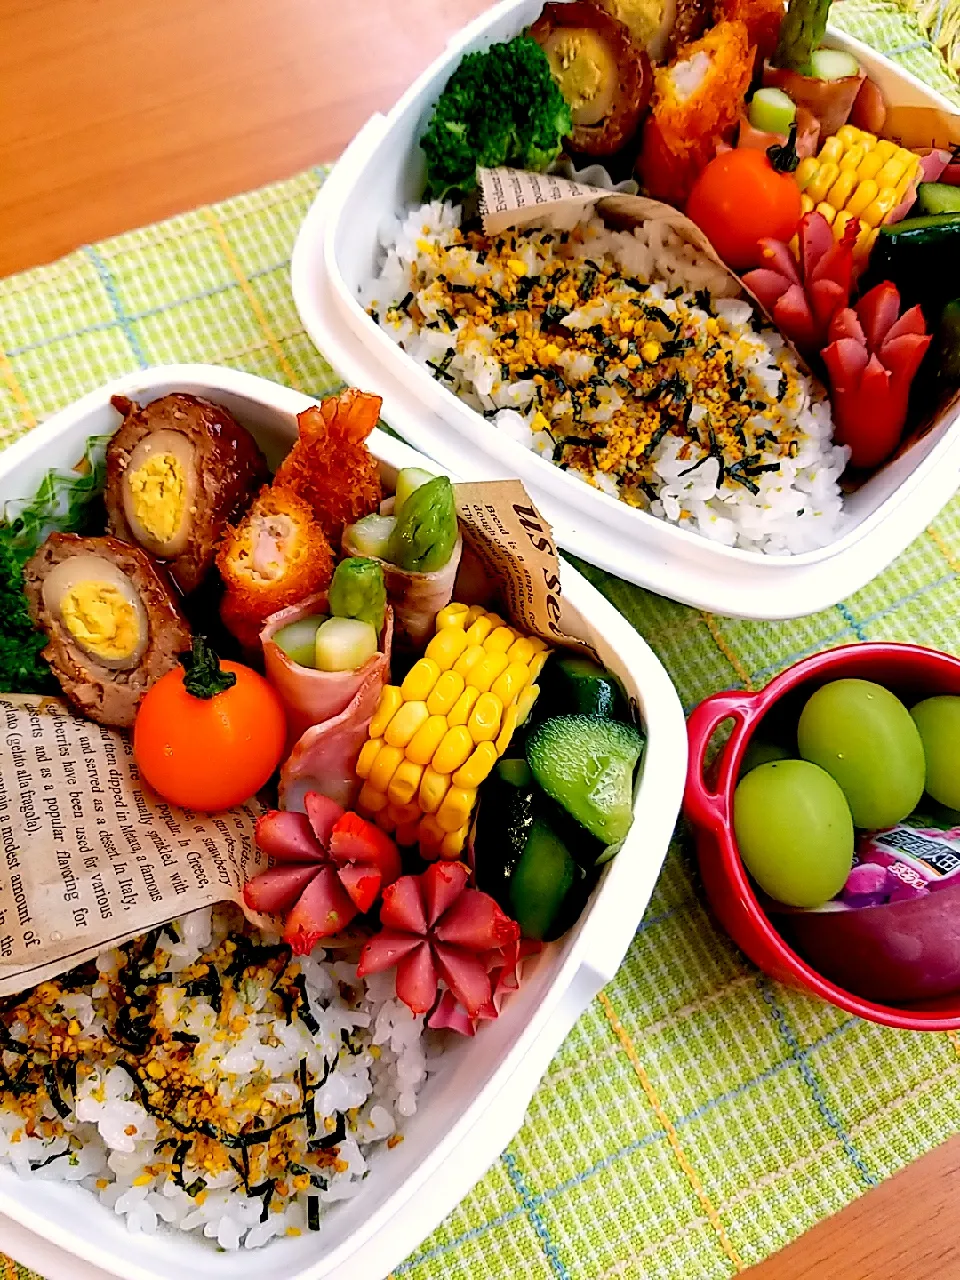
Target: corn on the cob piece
[
  {"x": 437, "y": 736},
  {"x": 857, "y": 177}
]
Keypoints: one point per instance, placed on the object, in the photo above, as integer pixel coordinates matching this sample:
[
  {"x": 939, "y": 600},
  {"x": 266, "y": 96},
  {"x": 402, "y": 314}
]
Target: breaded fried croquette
[
  {"x": 276, "y": 555},
  {"x": 330, "y": 465}
]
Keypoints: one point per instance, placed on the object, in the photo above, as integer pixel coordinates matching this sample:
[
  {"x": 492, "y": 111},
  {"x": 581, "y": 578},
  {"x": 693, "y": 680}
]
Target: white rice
[
  {"x": 366, "y": 1049},
  {"x": 788, "y": 502}
]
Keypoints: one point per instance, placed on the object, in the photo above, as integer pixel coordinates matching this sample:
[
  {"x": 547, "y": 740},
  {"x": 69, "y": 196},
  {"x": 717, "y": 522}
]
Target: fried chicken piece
[
  {"x": 330, "y": 466},
  {"x": 277, "y": 555}
]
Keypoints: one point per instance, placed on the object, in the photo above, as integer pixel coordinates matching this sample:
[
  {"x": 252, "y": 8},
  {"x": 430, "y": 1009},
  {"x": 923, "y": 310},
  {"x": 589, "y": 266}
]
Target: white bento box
[
  {"x": 380, "y": 174},
  {"x": 472, "y": 1107}
]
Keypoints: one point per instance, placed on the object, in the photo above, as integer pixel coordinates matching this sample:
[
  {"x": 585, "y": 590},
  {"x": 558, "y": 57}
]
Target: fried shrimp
[
  {"x": 330, "y": 465},
  {"x": 276, "y": 555}
]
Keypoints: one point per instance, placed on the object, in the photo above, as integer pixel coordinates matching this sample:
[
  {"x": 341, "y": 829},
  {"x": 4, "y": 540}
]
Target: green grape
[
  {"x": 863, "y": 736},
  {"x": 298, "y": 640},
  {"x": 794, "y": 831},
  {"x": 938, "y": 720}
]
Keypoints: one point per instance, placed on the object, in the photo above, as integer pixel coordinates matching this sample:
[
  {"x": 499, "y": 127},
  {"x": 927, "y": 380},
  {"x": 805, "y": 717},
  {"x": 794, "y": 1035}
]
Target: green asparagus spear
[
  {"x": 801, "y": 32},
  {"x": 358, "y": 591},
  {"x": 426, "y": 530}
]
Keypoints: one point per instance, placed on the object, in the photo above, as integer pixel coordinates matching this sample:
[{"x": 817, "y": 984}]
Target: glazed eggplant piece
[
  {"x": 178, "y": 470},
  {"x": 112, "y": 620},
  {"x": 605, "y": 78}
]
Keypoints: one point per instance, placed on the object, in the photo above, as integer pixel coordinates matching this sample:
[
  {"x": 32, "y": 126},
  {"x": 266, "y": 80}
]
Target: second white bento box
[
  {"x": 474, "y": 1104},
  {"x": 379, "y": 175}
]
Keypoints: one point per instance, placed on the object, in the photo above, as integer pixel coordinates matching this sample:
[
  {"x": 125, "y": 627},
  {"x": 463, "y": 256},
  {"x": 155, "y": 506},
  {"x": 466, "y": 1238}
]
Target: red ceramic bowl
[{"x": 908, "y": 671}]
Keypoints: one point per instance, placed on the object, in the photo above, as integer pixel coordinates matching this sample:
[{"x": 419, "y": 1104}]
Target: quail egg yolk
[
  {"x": 158, "y": 491},
  {"x": 585, "y": 71},
  {"x": 100, "y": 618}
]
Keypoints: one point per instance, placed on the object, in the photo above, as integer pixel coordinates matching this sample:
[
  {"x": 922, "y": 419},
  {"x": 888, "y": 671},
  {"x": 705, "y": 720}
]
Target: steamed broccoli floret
[{"x": 501, "y": 107}]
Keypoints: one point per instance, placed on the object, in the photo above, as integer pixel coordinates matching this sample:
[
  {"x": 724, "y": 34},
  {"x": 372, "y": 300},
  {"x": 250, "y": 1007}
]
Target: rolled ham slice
[
  {"x": 831, "y": 101},
  {"x": 314, "y": 697},
  {"x": 324, "y": 758},
  {"x": 416, "y": 598}
]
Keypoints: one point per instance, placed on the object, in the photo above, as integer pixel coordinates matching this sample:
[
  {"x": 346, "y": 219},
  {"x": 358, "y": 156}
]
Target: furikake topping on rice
[
  {"x": 207, "y": 1080},
  {"x": 623, "y": 359}
]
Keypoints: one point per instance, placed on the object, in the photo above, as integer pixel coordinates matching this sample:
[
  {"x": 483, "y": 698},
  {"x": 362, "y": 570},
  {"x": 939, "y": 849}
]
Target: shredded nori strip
[
  {"x": 209, "y": 986},
  {"x": 655, "y": 313},
  {"x": 53, "y": 1092},
  {"x": 42, "y": 1164},
  {"x": 699, "y": 463},
  {"x": 313, "y": 1213},
  {"x": 195, "y": 1188},
  {"x": 675, "y": 346},
  {"x": 655, "y": 439},
  {"x": 303, "y": 1008},
  {"x": 330, "y": 1139},
  {"x": 702, "y": 299},
  {"x": 782, "y": 386},
  {"x": 404, "y": 303},
  {"x": 442, "y": 365},
  {"x": 674, "y": 293},
  {"x": 8, "y": 1043},
  {"x": 583, "y": 442},
  {"x": 552, "y": 315},
  {"x": 184, "y": 1037}
]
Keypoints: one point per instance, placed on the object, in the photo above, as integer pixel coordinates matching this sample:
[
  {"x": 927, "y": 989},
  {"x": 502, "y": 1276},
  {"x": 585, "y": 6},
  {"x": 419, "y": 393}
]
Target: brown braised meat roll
[
  {"x": 112, "y": 618},
  {"x": 177, "y": 471},
  {"x": 602, "y": 74}
]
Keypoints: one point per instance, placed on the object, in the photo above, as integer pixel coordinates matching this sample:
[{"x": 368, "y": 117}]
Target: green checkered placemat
[{"x": 699, "y": 1116}]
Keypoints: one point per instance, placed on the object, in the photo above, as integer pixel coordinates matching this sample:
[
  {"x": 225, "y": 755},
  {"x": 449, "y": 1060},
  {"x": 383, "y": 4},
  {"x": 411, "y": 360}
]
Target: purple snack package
[{"x": 893, "y": 933}]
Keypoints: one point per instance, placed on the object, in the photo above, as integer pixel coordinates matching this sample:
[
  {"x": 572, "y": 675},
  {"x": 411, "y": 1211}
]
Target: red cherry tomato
[{"x": 741, "y": 197}]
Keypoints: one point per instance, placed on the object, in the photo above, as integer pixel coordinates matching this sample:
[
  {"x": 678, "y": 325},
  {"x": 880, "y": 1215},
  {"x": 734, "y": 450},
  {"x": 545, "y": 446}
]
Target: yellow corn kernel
[
  {"x": 456, "y": 807},
  {"x": 368, "y": 753},
  {"x": 370, "y": 799},
  {"x": 420, "y": 679},
  {"x": 478, "y": 631},
  {"x": 525, "y": 702},
  {"x": 864, "y": 246},
  {"x": 406, "y": 723},
  {"x": 446, "y": 647},
  {"x": 877, "y": 210},
  {"x": 468, "y": 660},
  {"x": 453, "y": 750},
  {"x": 408, "y": 833},
  {"x": 506, "y": 730},
  {"x": 893, "y": 170},
  {"x": 452, "y": 615},
  {"x": 842, "y": 189},
  {"x": 425, "y": 741},
  {"x": 405, "y": 782},
  {"x": 536, "y": 664},
  {"x": 403, "y": 814},
  {"x": 905, "y": 183},
  {"x": 886, "y": 148},
  {"x": 806, "y": 204},
  {"x": 840, "y": 223},
  {"x": 478, "y": 766},
  {"x": 865, "y": 193},
  {"x": 476, "y": 611},
  {"x": 822, "y": 181},
  {"x": 430, "y": 835},
  {"x": 848, "y": 135},
  {"x": 453, "y": 841},
  {"x": 852, "y": 158},
  {"x": 433, "y": 787},
  {"x": 827, "y": 210},
  {"x": 484, "y": 722},
  {"x": 830, "y": 153},
  {"x": 391, "y": 700},
  {"x": 483, "y": 674},
  {"x": 383, "y": 820},
  {"x": 500, "y": 639},
  {"x": 522, "y": 650},
  {"x": 384, "y": 767},
  {"x": 445, "y": 692},
  {"x": 509, "y": 683},
  {"x": 461, "y": 709}
]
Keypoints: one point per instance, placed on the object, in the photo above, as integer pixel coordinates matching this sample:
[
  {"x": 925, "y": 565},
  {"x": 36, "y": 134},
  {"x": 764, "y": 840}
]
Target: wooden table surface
[{"x": 114, "y": 113}]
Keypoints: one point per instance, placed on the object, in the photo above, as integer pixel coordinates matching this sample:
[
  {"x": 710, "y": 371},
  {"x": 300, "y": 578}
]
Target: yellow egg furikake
[
  {"x": 647, "y": 365},
  {"x": 101, "y": 619},
  {"x": 158, "y": 491}
]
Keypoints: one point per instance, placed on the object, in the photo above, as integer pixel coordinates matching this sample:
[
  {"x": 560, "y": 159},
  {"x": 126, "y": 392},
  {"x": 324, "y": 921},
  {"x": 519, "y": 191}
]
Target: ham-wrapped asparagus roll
[
  {"x": 417, "y": 541},
  {"x": 328, "y": 658}
]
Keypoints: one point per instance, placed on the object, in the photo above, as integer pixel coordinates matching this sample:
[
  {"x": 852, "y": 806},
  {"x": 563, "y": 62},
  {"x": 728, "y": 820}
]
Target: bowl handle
[{"x": 706, "y": 804}]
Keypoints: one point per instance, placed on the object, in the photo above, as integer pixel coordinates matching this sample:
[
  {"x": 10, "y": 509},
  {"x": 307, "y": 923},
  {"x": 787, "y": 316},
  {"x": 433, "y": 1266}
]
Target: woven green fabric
[{"x": 698, "y": 1117}]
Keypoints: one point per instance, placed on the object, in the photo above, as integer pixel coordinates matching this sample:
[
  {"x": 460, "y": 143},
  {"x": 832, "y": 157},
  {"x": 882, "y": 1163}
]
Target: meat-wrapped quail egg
[
  {"x": 99, "y": 608},
  {"x": 159, "y": 492}
]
